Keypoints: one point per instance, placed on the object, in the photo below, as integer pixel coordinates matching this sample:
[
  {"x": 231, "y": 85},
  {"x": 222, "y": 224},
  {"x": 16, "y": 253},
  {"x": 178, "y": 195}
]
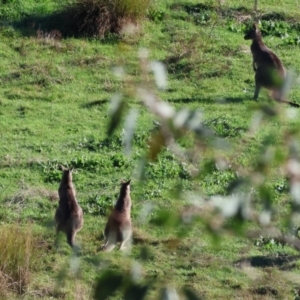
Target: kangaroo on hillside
[
  {"x": 69, "y": 215},
  {"x": 118, "y": 227},
  {"x": 269, "y": 70}
]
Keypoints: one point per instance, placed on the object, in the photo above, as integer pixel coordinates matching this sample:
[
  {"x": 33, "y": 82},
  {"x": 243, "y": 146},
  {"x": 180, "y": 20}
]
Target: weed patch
[
  {"x": 287, "y": 31},
  {"x": 90, "y": 143},
  {"x": 218, "y": 181},
  {"x": 202, "y": 14},
  {"x": 97, "y": 204},
  {"x": 157, "y": 11},
  {"x": 224, "y": 127},
  {"x": 167, "y": 167}
]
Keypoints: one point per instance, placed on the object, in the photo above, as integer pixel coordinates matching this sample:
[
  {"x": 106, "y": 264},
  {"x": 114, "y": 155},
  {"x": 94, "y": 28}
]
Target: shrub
[
  {"x": 97, "y": 204},
  {"x": 92, "y": 144},
  {"x": 16, "y": 249},
  {"x": 100, "y": 17}
]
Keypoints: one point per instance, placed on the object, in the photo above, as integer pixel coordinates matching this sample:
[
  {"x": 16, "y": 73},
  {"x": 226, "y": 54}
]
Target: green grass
[{"x": 54, "y": 109}]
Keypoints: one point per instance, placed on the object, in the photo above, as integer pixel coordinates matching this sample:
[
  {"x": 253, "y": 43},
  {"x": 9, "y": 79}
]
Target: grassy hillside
[{"x": 55, "y": 100}]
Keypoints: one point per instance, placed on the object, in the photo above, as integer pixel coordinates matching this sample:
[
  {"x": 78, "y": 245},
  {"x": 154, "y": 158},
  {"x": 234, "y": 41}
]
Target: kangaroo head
[
  {"x": 67, "y": 175},
  {"x": 253, "y": 33},
  {"x": 125, "y": 185}
]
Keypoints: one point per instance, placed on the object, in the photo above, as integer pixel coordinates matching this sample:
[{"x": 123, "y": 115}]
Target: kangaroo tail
[
  {"x": 279, "y": 97},
  {"x": 293, "y": 104}
]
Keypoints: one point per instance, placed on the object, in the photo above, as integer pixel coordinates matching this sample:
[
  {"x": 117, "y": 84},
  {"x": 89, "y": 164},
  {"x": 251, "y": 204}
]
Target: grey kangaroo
[
  {"x": 269, "y": 70},
  {"x": 69, "y": 215},
  {"x": 118, "y": 227}
]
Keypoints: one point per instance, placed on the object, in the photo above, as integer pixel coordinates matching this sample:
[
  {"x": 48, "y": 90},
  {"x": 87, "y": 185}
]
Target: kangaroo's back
[
  {"x": 118, "y": 227},
  {"x": 67, "y": 194},
  {"x": 69, "y": 215}
]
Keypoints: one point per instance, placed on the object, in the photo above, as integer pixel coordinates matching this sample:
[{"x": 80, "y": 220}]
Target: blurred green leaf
[
  {"x": 270, "y": 139},
  {"x": 166, "y": 218},
  {"x": 141, "y": 170},
  {"x": 293, "y": 130},
  {"x": 266, "y": 195},
  {"x": 107, "y": 284},
  {"x": 62, "y": 276},
  {"x": 130, "y": 124},
  {"x": 145, "y": 253},
  {"x": 208, "y": 167},
  {"x": 156, "y": 144},
  {"x": 237, "y": 224},
  {"x": 279, "y": 156},
  {"x": 117, "y": 107},
  {"x": 215, "y": 235},
  {"x": 177, "y": 190},
  {"x": 160, "y": 74}
]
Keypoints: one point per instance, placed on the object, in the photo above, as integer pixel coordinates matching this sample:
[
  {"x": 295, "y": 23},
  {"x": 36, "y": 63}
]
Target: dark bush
[
  {"x": 87, "y": 18},
  {"x": 100, "y": 17}
]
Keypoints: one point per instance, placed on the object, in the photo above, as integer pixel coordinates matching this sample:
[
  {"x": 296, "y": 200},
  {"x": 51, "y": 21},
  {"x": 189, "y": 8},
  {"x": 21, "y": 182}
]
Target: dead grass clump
[
  {"x": 100, "y": 17},
  {"x": 16, "y": 250},
  {"x": 51, "y": 38}
]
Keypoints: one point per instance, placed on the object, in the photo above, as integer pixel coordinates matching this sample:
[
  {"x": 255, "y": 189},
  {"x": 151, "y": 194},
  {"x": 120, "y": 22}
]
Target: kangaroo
[
  {"x": 269, "y": 70},
  {"x": 118, "y": 227},
  {"x": 69, "y": 215}
]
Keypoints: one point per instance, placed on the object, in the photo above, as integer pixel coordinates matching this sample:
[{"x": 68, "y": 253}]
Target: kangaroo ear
[
  {"x": 124, "y": 182},
  {"x": 62, "y": 168},
  {"x": 256, "y": 26}
]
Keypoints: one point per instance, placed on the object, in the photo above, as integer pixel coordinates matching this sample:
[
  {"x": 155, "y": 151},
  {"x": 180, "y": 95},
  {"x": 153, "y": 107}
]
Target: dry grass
[
  {"x": 51, "y": 38},
  {"x": 16, "y": 251},
  {"x": 19, "y": 199},
  {"x": 99, "y": 17}
]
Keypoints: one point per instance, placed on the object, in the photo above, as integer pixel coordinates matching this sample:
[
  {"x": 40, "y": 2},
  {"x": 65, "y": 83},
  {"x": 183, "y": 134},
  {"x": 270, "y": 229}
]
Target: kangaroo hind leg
[
  {"x": 126, "y": 243},
  {"x": 256, "y": 92},
  {"x": 110, "y": 243},
  {"x": 71, "y": 237}
]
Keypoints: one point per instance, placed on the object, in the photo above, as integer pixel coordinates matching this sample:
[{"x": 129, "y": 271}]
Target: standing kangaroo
[
  {"x": 118, "y": 227},
  {"x": 269, "y": 70},
  {"x": 69, "y": 215}
]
